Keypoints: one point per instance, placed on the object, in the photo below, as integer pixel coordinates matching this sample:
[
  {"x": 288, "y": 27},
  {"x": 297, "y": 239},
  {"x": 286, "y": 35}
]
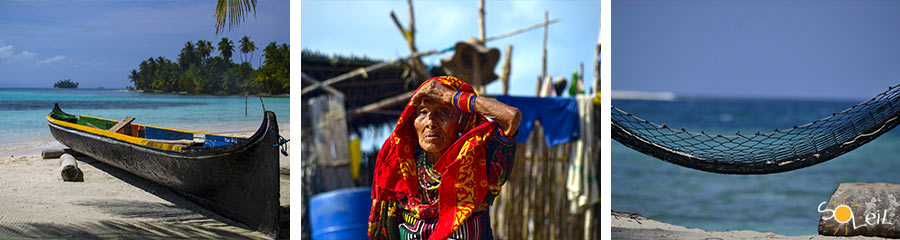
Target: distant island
[
  {"x": 196, "y": 71},
  {"x": 68, "y": 83}
]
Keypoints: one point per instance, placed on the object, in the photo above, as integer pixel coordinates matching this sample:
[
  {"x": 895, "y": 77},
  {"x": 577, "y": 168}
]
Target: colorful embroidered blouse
[{"x": 500, "y": 152}]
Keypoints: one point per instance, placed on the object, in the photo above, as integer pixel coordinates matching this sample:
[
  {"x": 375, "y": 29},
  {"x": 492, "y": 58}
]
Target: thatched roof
[{"x": 361, "y": 91}]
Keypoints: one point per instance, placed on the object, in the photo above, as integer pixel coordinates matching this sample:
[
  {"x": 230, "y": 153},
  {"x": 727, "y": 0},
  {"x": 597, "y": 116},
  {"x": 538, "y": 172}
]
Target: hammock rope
[{"x": 762, "y": 153}]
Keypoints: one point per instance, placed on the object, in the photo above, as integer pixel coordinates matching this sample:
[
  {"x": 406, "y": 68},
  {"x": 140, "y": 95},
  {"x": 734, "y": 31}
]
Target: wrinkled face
[{"x": 436, "y": 125}]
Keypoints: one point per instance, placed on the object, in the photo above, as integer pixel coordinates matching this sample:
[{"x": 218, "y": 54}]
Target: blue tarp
[{"x": 558, "y": 116}]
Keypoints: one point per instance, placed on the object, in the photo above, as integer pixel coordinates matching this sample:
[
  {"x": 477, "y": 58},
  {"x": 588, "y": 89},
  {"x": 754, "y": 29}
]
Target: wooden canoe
[{"x": 237, "y": 178}]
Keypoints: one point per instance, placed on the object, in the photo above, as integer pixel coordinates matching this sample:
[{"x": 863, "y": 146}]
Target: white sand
[
  {"x": 110, "y": 203},
  {"x": 627, "y": 225}
]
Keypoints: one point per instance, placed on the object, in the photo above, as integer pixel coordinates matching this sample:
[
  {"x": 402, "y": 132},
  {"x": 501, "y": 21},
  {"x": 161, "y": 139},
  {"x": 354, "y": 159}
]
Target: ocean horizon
[
  {"x": 24, "y": 126},
  {"x": 783, "y": 203}
]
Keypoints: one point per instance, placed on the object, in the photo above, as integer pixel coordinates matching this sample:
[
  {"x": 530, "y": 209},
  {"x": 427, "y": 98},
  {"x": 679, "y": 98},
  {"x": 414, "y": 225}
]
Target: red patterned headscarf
[{"x": 462, "y": 167}]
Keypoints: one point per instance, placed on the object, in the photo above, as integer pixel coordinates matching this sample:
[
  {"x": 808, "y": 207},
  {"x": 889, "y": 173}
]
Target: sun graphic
[{"x": 843, "y": 214}]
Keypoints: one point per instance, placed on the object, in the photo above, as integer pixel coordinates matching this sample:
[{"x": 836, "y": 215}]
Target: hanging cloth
[{"x": 558, "y": 115}]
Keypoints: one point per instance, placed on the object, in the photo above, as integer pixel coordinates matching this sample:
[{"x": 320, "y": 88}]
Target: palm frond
[{"x": 232, "y": 13}]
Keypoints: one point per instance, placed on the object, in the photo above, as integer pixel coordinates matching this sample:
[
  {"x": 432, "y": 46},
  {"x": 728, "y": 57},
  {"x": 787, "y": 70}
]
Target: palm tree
[
  {"x": 135, "y": 79},
  {"x": 226, "y": 48},
  {"x": 204, "y": 49},
  {"x": 233, "y": 11},
  {"x": 186, "y": 58},
  {"x": 247, "y": 46}
]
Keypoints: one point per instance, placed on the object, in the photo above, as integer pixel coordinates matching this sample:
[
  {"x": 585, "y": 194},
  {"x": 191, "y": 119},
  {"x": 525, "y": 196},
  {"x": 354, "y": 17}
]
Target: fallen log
[
  {"x": 58, "y": 152},
  {"x": 69, "y": 169},
  {"x": 869, "y": 209}
]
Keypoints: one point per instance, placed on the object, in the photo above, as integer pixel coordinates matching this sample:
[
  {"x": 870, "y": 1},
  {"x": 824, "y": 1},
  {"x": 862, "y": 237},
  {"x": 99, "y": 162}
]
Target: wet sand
[
  {"x": 110, "y": 203},
  {"x": 627, "y": 225}
]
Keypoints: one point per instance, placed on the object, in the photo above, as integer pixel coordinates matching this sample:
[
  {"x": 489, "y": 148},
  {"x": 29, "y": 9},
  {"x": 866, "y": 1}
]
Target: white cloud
[
  {"x": 6, "y": 51},
  {"x": 53, "y": 59},
  {"x": 26, "y": 54}
]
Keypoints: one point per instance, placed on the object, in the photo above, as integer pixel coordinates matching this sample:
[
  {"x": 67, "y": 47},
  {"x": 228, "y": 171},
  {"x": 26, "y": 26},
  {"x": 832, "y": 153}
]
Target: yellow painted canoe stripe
[
  {"x": 171, "y": 129},
  {"x": 117, "y": 136}
]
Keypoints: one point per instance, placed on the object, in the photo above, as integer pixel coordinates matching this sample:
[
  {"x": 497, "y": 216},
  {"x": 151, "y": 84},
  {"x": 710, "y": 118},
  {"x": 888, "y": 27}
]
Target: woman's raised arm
[{"x": 506, "y": 116}]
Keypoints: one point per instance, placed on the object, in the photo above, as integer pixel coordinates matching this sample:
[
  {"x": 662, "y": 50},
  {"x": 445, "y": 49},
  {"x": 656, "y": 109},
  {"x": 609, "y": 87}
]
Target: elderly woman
[{"x": 438, "y": 173}]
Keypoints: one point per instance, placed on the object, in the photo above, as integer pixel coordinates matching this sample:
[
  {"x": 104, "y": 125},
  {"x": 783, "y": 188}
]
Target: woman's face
[{"x": 436, "y": 125}]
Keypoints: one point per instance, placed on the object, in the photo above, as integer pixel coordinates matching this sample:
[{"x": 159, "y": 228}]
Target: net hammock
[{"x": 762, "y": 153}]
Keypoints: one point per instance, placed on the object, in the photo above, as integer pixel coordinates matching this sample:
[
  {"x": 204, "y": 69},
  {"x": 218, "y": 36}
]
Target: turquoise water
[
  {"x": 783, "y": 203},
  {"x": 23, "y": 124}
]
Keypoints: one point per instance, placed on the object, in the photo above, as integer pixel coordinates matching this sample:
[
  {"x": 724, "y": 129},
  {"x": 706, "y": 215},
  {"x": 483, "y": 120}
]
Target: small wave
[{"x": 48, "y": 104}]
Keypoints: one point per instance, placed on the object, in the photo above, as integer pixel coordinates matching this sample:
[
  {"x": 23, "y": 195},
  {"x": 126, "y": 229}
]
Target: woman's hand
[
  {"x": 506, "y": 116},
  {"x": 434, "y": 90}
]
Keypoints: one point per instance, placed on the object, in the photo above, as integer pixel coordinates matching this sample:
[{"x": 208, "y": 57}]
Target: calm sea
[
  {"x": 783, "y": 203},
  {"x": 23, "y": 123}
]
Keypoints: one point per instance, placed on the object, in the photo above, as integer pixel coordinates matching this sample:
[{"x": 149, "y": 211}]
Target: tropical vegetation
[
  {"x": 232, "y": 13},
  {"x": 197, "y": 71},
  {"x": 68, "y": 83}
]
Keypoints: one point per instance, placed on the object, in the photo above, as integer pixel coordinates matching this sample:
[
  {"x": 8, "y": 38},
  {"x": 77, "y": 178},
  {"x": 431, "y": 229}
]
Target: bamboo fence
[{"x": 533, "y": 203}]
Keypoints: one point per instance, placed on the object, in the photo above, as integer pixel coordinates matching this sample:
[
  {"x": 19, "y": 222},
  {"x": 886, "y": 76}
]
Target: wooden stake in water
[{"x": 245, "y": 104}]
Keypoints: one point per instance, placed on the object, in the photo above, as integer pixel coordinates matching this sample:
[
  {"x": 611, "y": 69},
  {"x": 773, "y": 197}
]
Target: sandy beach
[
  {"x": 110, "y": 203},
  {"x": 627, "y": 225}
]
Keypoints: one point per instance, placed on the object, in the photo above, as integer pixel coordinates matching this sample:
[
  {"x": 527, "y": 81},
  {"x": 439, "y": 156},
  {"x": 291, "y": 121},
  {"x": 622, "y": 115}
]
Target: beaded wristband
[
  {"x": 464, "y": 101},
  {"x": 455, "y": 100},
  {"x": 472, "y": 103}
]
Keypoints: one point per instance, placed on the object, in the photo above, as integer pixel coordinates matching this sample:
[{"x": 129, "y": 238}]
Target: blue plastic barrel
[{"x": 341, "y": 214}]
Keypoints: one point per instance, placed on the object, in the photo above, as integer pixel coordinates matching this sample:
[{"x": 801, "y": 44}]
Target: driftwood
[
  {"x": 58, "y": 152},
  {"x": 69, "y": 169}
]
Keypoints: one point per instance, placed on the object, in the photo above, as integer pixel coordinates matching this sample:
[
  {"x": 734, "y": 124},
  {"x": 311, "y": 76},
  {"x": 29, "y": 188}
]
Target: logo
[{"x": 844, "y": 214}]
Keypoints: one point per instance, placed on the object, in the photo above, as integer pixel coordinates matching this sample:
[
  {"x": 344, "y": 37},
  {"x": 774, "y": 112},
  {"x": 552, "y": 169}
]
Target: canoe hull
[{"x": 240, "y": 183}]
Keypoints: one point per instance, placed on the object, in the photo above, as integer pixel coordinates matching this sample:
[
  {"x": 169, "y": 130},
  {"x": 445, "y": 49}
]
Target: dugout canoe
[{"x": 237, "y": 178}]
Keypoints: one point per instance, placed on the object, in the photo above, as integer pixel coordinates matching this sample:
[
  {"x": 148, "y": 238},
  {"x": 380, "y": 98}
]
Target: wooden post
[
  {"x": 263, "y": 104},
  {"x": 476, "y": 73},
  {"x": 245, "y": 104},
  {"x": 597, "y": 66},
  {"x": 69, "y": 169},
  {"x": 506, "y": 69},
  {"x": 409, "y": 35},
  {"x": 520, "y": 30},
  {"x": 481, "y": 21},
  {"x": 544, "y": 55},
  {"x": 580, "y": 77}
]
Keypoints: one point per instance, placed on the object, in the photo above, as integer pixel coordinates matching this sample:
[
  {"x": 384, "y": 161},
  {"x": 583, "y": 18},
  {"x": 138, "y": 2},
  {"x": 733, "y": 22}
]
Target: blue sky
[
  {"x": 364, "y": 28},
  {"x": 783, "y": 49},
  {"x": 98, "y": 42}
]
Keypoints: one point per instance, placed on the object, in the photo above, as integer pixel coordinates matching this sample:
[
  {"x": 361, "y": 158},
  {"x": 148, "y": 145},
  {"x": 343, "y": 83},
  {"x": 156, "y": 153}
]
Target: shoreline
[
  {"x": 629, "y": 225},
  {"x": 283, "y": 95}
]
